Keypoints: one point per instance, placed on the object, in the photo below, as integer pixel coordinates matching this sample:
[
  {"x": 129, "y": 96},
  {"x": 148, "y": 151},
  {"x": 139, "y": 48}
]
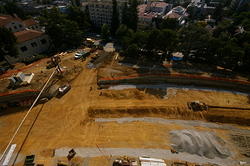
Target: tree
[
  {"x": 132, "y": 51},
  {"x": 168, "y": 40},
  {"x": 7, "y": 43},
  {"x": 75, "y": 2},
  {"x": 169, "y": 23},
  {"x": 115, "y": 18},
  {"x": 64, "y": 32},
  {"x": 125, "y": 18},
  {"x": 12, "y": 8},
  {"x": 124, "y": 35},
  {"x": 132, "y": 15},
  {"x": 105, "y": 32},
  {"x": 230, "y": 55},
  {"x": 80, "y": 17},
  {"x": 194, "y": 38}
]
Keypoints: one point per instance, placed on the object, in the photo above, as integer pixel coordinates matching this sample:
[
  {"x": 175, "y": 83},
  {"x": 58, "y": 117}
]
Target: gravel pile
[{"x": 200, "y": 143}]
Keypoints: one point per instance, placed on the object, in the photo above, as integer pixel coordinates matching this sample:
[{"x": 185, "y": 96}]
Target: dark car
[{"x": 63, "y": 90}]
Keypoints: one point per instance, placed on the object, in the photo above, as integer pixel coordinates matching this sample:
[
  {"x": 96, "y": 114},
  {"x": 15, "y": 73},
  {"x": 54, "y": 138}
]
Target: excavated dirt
[
  {"x": 150, "y": 111},
  {"x": 70, "y": 121}
]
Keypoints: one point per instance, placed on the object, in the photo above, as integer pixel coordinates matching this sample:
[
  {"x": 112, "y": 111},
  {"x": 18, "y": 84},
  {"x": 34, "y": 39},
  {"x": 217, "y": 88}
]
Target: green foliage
[
  {"x": 7, "y": 43},
  {"x": 63, "y": 31},
  {"x": 115, "y": 18},
  {"x": 132, "y": 51},
  {"x": 75, "y": 2},
  {"x": 228, "y": 45},
  {"x": 169, "y": 24},
  {"x": 105, "y": 32},
  {"x": 194, "y": 37},
  {"x": 125, "y": 17},
  {"x": 11, "y": 8},
  {"x": 130, "y": 14},
  {"x": 80, "y": 17}
]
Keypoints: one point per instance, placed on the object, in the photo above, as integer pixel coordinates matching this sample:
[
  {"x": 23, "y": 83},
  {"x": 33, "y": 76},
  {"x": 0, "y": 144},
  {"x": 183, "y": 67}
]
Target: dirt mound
[
  {"x": 142, "y": 111},
  {"x": 123, "y": 94},
  {"x": 200, "y": 143}
]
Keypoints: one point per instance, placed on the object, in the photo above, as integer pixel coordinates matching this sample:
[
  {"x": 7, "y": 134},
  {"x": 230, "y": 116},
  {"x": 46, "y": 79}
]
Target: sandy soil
[{"x": 66, "y": 122}]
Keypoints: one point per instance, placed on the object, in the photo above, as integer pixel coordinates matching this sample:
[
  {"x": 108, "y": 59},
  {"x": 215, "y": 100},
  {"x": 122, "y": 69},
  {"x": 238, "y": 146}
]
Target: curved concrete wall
[{"x": 221, "y": 84}]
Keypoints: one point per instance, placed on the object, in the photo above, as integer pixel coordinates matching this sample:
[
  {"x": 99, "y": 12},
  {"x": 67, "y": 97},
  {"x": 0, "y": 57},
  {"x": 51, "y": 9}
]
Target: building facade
[
  {"x": 100, "y": 11},
  {"x": 30, "y": 39}
]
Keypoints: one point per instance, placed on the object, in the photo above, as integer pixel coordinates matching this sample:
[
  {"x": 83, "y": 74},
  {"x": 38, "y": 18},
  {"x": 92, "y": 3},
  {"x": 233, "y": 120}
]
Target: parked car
[
  {"x": 63, "y": 90},
  {"x": 43, "y": 100},
  {"x": 79, "y": 55}
]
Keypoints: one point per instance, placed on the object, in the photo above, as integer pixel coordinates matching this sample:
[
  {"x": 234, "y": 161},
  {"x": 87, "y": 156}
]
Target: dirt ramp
[
  {"x": 205, "y": 144},
  {"x": 142, "y": 111}
]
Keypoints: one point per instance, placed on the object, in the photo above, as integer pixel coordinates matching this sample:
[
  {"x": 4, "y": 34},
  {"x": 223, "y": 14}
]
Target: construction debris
[
  {"x": 147, "y": 161},
  {"x": 125, "y": 161}
]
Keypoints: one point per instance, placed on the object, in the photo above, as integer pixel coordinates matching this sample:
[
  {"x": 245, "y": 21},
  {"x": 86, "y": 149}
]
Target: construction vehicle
[
  {"x": 197, "y": 106},
  {"x": 200, "y": 106},
  {"x": 53, "y": 62}
]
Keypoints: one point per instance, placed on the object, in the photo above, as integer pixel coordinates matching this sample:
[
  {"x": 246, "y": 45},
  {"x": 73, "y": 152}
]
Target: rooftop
[
  {"x": 30, "y": 22},
  {"x": 5, "y": 19},
  {"x": 26, "y": 35},
  {"x": 159, "y": 4},
  {"x": 173, "y": 15}
]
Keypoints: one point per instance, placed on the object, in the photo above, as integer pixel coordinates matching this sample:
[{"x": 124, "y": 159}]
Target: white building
[
  {"x": 30, "y": 39},
  {"x": 179, "y": 13},
  {"x": 147, "y": 12}
]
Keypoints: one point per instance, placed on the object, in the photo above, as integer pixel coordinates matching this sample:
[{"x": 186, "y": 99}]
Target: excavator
[{"x": 200, "y": 106}]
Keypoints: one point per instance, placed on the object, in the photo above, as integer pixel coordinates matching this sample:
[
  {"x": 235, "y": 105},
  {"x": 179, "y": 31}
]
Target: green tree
[
  {"x": 115, "y": 18},
  {"x": 125, "y": 18},
  {"x": 64, "y": 33},
  {"x": 194, "y": 37},
  {"x": 80, "y": 17},
  {"x": 132, "y": 51},
  {"x": 169, "y": 23},
  {"x": 132, "y": 15},
  {"x": 230, "y": 55},
  {"x": 75, "y": 2},
  {"x": 168, "y": 40},
  {"x": 105, "y": 32},
  {"x": 12, "y": 8},
  {"x": 7, "y": 43},
  {"x": 124, "y": 35}
]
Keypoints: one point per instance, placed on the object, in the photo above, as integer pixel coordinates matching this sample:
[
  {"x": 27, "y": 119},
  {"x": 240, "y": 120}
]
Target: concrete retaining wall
[{"x": 220, "y": 84}]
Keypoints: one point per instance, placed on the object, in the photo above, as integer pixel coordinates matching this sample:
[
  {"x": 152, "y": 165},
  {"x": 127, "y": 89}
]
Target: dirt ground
[{"x": 70, "y": 121}]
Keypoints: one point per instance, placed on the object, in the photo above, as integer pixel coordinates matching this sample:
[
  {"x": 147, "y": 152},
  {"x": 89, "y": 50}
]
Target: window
[
  {"x": 34, "y": 44},
  {"x": 43, "y": 41},
  {"x": 24, "y": 48},
  {"x": 15, "y": 27}
]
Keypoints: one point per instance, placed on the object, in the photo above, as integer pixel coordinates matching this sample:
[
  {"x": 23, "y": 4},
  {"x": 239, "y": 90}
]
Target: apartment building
[
  {"x": 101, "y": 11},
  {"x": 30, "y": 40}
]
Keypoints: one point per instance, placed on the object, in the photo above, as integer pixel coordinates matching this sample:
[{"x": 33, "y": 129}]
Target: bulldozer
[{"x": 197, "y": 106}]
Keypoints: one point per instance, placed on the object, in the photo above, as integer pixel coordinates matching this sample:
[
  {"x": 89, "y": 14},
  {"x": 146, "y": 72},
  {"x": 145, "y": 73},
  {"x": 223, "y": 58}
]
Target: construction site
[{"x": 122, "y": 114}]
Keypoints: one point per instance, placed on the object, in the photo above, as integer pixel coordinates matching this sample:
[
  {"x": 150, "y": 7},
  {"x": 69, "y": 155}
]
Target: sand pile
[{"x": 200, "y": 143}]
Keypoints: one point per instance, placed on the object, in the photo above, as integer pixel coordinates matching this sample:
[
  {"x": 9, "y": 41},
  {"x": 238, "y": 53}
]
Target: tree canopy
[
  {"x": 65, "y": 31},
  {"x": 7, "y": 43}
]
